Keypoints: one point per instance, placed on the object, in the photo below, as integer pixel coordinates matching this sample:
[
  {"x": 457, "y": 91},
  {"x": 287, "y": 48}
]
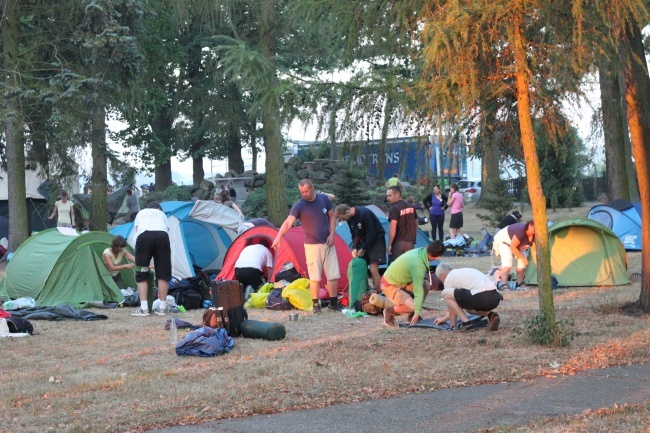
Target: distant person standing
[
  {"x": 232, "y": 193},
  {"x": 152, "y": 242},
  {"x": 403, "y": 224},
  {"x": 316, "y": 213},
  {"x": 133, "y": 203},
  {"x": 456, "y": 204},
  {"x": 507, "y": 220},
  {"x": 394, "y": 181},
  {"x": 436, "y": 203},
  {"x": 65, "y": 209}
]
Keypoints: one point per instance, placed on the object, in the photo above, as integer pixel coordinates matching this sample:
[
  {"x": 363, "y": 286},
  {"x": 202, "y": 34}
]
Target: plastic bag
[
  {"x": 265, "y": 288},
  {"x": 297, "y": 293},
  {"x": 19, "y": 303},
  {"x": 257, "y": 300}
]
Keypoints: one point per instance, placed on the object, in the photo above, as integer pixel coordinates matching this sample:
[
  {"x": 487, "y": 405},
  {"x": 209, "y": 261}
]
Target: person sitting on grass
[
  {"x": 468, "y": 290},
  {"x": 406, "y": 283}
]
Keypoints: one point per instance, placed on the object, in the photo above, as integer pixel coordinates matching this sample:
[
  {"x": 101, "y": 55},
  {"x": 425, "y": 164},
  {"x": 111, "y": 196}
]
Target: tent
[
  {"x": 199, "y": 232},
  {"x": 61, "y": 266},
  {"x": 343, "y": 230},
  {"x": 291, "y": 249},
  {"x": 623, "y": 218},
  {"x": 583, "y": 253},
  {"x": 116, "y": 206}
]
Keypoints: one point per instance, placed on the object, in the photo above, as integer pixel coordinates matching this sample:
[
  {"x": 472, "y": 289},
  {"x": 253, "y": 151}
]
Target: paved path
[{"x": 456, "y": 409}]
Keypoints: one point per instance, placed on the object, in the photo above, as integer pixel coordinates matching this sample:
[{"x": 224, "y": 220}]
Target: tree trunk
[
  {"x": 198, "y": 174},
  {"x": 163, "y": 176},
  {"x": 533, "y": 172},
  {"x": 637, "y": 91},
  {"x": 381, "y": 151},
  {"x": 14, "y": 143},
  {"x": 161, "y": 126},
  {"x": 276, "y": 202},
  {"x": 614, "y": 127},
  {"x": 331, "y": 130},
  {"x": 490, "y": 169},
  {"x": 254, "y": 151},
  {"x": 235, "y": 160},
  {"x": 99, "y": 180},
  {"x": 632, "y": 179}
]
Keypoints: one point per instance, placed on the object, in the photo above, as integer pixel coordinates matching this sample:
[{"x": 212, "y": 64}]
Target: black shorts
[
  {"x": 377, "y": 252},
  {"x": 483, "y": 301},
  {"x": 249, "y": 277},
  {"x": 153, "y": 244},
  {"x": 456, "y": 221}
]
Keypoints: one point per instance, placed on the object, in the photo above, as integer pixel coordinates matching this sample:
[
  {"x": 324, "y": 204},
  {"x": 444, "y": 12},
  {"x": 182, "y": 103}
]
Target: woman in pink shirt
[{"x": 456, "y": 204}]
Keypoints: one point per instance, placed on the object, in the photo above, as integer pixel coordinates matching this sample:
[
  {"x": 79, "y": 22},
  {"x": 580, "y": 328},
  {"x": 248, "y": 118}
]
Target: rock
[
  {"x": 295, "y": 160},
  {"x": 198, "y": 193},
  {"x": 206, "y": 185},
  {"x": 248, "y": 173},
  {"x": 260, "y": 176},
  {"x": 248, "y": 183},
  {"x": 317, "y": 165},
  {"x": 207, "y": 195},
  {"x": 258, "y": 182},
  {"x": 302, "y": 173}
]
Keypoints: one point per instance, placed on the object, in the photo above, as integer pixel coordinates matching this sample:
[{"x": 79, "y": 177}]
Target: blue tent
[
  {"x": 421, "y": 239},
  {"x": 623, "y": 218},
  {"x": 199, "y": 232}
]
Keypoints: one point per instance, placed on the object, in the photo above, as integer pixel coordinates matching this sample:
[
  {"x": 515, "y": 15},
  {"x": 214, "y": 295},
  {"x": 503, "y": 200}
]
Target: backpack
[
  {"x": 276, "y": 302},
  {"x": 365, "y": 306},
  {"x": 19, "y": 325},
  {"x": 214, "y": 318},
  {"x": 290, "y": 275}
]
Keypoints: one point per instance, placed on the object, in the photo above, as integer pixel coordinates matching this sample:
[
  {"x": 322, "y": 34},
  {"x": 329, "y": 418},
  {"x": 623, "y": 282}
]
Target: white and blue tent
[
  {"x": 623, "y": 218},
  {"x": 199, "y": 232}
]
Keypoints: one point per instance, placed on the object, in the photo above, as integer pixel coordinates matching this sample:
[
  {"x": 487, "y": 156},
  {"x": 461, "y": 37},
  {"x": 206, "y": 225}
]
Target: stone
[{"x": 206, "y": 185}]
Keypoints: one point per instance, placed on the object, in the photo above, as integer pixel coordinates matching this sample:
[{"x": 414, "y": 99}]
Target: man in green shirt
[{"x": 407, "y": 282}]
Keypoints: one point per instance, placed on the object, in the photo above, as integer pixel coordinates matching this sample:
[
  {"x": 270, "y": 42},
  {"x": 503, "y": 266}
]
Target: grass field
[{"x": 122, "y": 374}]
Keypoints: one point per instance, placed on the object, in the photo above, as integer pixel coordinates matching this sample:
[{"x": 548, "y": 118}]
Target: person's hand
[
  {"x": 330, "y": 239},
  {"x": 438, "y": 321},
  {"x": 130, "y": 266},
  {"x": 524, "y": 261},
  {"x": 50, "y": 217},
  {"x": 415, "y": 319},
  {"x": 389, "y": 250},
  {"x": 276, "y": 242},
  {"x": 354, "y": 252},
  {"x": 361, "y": 253}
]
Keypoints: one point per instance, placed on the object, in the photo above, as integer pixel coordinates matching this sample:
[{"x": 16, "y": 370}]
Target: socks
[
  {"x": 334, "y": 301},
  {"x": 315, "y": 302},
  {"x": 144, "y": 305},
  {"x": 163, "y": 306}
]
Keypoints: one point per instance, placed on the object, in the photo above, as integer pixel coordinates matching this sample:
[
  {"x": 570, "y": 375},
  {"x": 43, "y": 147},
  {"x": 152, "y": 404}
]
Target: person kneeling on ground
[
  {"x": 113, "y": 257},
  {"x": 468, "y": 290},
  {"x": 254, "y": 263},
  {"x": 405, "y": 285}
]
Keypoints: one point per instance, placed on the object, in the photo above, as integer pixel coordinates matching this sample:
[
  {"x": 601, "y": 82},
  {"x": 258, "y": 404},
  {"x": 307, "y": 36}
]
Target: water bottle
[{"x": 173, "y": 331}]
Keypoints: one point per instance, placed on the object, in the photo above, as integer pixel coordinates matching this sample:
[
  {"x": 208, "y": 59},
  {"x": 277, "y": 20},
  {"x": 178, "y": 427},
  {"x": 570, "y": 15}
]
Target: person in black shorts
[{"x": 368, "y": 237}]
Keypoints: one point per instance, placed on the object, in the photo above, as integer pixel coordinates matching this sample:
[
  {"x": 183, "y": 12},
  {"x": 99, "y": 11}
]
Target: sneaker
[
  {"x": 337, "y": 307},
  {"x": 494, "y": 321},
  {"x": 389, "y": 319},
  {"x": 159, "y": 312},
  {"x": 317, "y": 309},
  {"x": 140, "y": 313},
  {"x": 467, "y": 326}
]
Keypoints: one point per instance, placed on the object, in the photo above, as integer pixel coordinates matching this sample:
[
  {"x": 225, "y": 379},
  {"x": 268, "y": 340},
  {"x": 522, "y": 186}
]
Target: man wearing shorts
[
  {"x": 407, "y": 282},
  {"x": 468, "y": 290},
  {"x": 510, "y": 244},
  {"x": 316, "y": 213},
  {"x": 152, "y": 241},
  {"x": 403, "y": 224},
  {"x": 368, "y": 237}
]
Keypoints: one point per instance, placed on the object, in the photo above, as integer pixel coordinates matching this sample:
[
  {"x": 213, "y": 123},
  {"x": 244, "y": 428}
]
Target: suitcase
[{"x": 229, "y": 295}]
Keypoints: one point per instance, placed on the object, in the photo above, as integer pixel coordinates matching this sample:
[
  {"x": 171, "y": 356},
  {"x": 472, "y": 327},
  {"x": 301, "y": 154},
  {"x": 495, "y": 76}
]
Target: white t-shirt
[
  {"x": 255, "y": 256},
  {"x": 63, "y": 209},
  {"x": 116, "y": 260},
  {"x": 150, "y": 220},
  {"x": 469, "y": 278}
]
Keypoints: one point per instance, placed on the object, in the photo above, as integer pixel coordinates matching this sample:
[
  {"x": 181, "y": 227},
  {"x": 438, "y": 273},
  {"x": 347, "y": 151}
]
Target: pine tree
[{"x": 349, "y": 188}]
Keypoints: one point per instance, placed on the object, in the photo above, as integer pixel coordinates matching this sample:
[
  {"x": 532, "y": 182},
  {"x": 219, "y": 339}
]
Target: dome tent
[
  {"x": 60, "y": 266},
  {"x": 199, "y": 233},
  {"x": 623, "y": 218},
  {"x": 583, "y": 253}
]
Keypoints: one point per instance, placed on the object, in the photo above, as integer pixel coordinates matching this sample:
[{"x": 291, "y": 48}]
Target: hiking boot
[
  {"x": 494, "y": 321},
  {"x": 317, "y": 309},
  {"x": 337, "y": 307},
  {"x": 140, "y": 313},
  {"x": 389, "y": 319},
  {"x": 159, "y": 312}
]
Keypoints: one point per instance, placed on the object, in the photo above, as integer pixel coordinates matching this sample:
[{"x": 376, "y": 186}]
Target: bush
[
  {"x": 496, "y": 201},
  {"x": 350, "y": 188},
  {"x": 177, "y": 193},
  {"x": 540, "y": 333},
  {"x": 256, "y": 200}
]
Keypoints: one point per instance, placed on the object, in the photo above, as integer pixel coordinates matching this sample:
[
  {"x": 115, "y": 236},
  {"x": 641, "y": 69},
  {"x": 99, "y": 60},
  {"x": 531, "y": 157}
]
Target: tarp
[
  {"x": 116, "y": 206},
  {"x": 199, "y": 232},
  {"x": 623, "y": 218},
  {"x": 60, "y": 266},
  {"x": 583, "y": 253},
  {"x": 291, "y": 249}
]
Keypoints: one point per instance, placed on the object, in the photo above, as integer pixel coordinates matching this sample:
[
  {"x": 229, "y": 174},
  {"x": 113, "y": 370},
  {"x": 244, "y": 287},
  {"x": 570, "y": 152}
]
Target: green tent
[
  {"x": 583, "y": 253},
  {"x": 61, "y": 266}
]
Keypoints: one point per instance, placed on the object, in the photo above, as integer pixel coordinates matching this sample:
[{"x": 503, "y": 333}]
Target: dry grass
[{"x": 121, "y": 374}]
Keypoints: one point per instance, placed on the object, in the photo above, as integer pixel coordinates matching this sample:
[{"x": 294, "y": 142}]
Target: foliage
[
  {"x": 539, "y": 332},
  {"x": 256, "y": 200},
  {"x": 562, "y": 160},
  {"x": 496, "y": 201},
  {"x": 349, "y": 188},
  {"x": 177, "y": 193}
]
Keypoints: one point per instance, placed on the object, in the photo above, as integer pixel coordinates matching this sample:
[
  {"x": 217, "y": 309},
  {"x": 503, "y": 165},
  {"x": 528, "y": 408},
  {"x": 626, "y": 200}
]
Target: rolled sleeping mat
[
  {"x": 257, "y": 329},
  {"x": 380, "y": 301}
]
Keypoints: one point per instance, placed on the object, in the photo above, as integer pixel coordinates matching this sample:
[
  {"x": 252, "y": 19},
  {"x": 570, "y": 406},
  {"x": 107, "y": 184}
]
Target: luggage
[
  {"x": 214, "y": 318},
  {"x": 267, "y": 331},
  {"x": 228, "y": 294}
]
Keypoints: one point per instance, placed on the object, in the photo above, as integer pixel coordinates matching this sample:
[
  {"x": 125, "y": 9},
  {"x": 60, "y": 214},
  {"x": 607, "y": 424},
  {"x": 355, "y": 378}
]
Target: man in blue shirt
[
  {"x": 368, "y": 237},
  {"x": 316, "y": 213}
]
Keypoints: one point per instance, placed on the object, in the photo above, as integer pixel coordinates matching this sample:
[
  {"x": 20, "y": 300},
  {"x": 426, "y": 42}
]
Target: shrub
[
  {"x": 540, "y": 333},
  {"x": 496, "y": 201}
]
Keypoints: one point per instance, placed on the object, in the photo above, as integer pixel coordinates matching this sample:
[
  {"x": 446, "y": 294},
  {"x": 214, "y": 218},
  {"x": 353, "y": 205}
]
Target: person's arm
[
  {"x": 514, "y": 246},
  {"x": 113, "y": 267},
  {"x": 371, "y": 234},
  {"x": 441, "y": 320},
  {"x": 450, "y": 201},
  {"x": 284, "y": 228},
  {"x": 53, "y": 212},
  {"x": 129, "y": 256},
  {"x": 391, "y": 236},
  {"x": 332, "y": 224},
  {"x": 234, "y": 206},
  {"x": 427, "y": 202},
  {"x": 72, "y": 215}
]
